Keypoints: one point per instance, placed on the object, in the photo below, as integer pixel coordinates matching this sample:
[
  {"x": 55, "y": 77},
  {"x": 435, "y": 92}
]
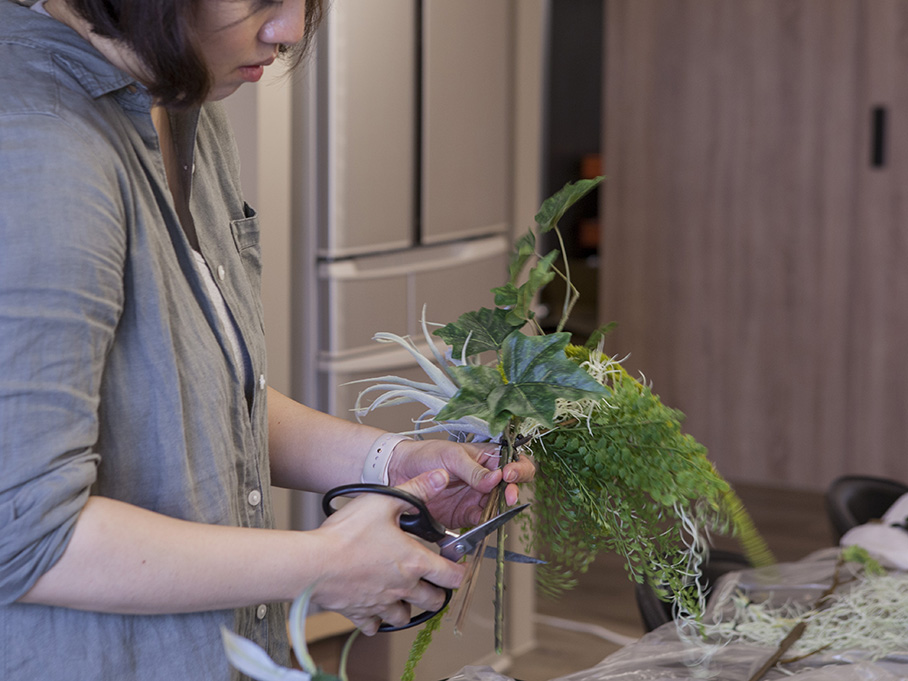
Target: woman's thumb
[{"x": 426, "y": 485}]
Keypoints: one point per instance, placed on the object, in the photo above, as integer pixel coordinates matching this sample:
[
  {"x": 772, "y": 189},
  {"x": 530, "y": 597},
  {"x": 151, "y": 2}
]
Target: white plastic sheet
[{"x": 662, "y": 656}]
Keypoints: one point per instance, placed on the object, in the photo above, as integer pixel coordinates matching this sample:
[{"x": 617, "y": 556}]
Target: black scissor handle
[
  {"x": 421, "y": 617},
  {"x": 420, "y": 524}
]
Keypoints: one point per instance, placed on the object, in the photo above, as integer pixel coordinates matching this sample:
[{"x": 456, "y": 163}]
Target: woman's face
[{"x": 239, "y": 38}]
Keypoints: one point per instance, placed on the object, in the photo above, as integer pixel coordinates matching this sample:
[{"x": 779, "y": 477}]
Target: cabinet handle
[{"x": 878, "y": 137}]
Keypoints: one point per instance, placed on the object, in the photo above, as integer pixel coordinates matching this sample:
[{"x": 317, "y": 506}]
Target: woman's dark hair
[{"x": 162, "y": 34}]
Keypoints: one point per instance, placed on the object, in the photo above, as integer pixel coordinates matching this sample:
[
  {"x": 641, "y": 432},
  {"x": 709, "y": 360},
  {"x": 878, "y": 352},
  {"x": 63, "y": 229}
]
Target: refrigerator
[
  {"x": 415, "y": 137},
  {"x": 407, "y": 150}
]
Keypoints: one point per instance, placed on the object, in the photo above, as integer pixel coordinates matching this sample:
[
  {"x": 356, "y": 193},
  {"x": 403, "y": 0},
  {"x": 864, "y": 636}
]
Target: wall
[{"x": 753, "y": 255}]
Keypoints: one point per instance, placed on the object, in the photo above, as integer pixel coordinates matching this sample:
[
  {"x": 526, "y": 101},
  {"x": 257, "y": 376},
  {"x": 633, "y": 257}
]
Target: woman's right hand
[{"x": 372, "y": 571}]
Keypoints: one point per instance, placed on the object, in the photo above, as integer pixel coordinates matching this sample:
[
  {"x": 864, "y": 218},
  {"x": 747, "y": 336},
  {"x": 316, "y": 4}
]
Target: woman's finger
[
  {"x": 367, "y": 625},
  {"x": 396, "y": 614}
]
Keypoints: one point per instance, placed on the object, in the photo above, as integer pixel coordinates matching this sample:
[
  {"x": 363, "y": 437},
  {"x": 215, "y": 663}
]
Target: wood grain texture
[{"x": 755, "y": 263}]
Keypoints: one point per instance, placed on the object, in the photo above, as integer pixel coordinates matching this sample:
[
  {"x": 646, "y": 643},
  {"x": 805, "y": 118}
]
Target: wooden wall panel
[
  {"x": 879, "y": 302},
  {"x": 755, "y": 263}
]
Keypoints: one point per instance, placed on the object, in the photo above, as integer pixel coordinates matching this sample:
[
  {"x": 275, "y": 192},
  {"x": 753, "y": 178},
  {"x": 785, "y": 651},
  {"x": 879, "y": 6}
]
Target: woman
[{"x": 136, "y": 450}]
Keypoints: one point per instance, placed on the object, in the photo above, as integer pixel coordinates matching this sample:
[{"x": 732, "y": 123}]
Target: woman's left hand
[{"x": 473, "y": 470}]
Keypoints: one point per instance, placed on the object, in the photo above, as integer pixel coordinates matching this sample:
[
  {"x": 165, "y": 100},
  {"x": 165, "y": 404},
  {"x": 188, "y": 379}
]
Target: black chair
[
  {"x": 853, "y": 500},
  {"x": 655, "y": 612}
]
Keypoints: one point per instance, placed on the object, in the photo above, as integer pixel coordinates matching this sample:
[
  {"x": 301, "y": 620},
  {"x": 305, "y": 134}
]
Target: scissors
[{"x": 423, "y": 525}]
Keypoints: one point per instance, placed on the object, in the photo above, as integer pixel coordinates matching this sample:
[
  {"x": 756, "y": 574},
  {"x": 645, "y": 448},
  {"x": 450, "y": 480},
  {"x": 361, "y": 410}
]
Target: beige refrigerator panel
[
  {"x": 467, "y": 83},
  {"x": 387, "y": 292},
  {"x": 367, "y": 76}
]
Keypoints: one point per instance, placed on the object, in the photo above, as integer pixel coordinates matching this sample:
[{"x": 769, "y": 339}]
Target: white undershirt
[{"x": 220, "y": 306}]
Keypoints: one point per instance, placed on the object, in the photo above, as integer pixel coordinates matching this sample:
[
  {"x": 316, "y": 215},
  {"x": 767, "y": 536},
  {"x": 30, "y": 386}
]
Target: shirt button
[
  {"x": 261, "y": 611},
  {"x": 221, "y": 272},
  {"x": 254, "y": 498},
  {"x": 262, "y": 382}
]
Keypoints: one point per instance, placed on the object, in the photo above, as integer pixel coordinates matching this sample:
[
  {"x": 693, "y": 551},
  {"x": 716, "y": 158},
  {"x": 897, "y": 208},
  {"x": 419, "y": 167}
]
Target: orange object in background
[
  {"x": 590, "y": 166},
  {"x": 588, "y": 228},
  {"x": 588, "y": 233}
]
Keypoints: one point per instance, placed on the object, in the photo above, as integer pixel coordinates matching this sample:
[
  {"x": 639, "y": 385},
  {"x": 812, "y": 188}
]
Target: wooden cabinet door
[{"x": 751, "y": 256}]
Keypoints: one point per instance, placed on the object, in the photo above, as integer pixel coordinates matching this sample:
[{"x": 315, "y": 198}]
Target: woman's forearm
[
  {"x": 312, "y": 450},
  {"x": 124, "y": 559},
  {"x": 127, "y": 560}
]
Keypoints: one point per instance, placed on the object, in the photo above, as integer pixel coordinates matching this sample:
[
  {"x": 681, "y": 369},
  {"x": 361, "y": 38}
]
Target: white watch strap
[{"x": 375, "y": 468}]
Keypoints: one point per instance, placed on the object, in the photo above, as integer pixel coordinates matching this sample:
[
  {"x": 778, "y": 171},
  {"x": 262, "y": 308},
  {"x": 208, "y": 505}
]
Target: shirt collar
[{"x": 72, "y": 52}]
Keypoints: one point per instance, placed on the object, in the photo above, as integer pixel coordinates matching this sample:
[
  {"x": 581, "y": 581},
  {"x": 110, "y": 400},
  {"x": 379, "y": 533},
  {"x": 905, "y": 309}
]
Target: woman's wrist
[{"x": 377, "y": 465}]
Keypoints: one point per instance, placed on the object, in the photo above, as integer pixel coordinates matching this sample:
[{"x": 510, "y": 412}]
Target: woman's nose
[{"x": 287, "y": 26}]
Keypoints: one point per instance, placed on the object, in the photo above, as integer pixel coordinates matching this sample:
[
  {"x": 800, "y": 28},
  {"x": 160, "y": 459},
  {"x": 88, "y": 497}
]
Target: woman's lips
[{"x": 253, "y": 72}]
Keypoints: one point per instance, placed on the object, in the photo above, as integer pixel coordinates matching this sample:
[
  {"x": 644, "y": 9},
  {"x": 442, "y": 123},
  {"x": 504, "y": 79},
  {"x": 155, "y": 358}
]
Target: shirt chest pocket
[{"x": 246, "y": 236}]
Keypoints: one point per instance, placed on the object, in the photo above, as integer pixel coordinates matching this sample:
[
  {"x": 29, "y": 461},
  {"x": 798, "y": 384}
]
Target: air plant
[{"x": 433, "y": 396}]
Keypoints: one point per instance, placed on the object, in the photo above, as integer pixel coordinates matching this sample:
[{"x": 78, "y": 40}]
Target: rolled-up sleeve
[{"x": 62, "y": 246}]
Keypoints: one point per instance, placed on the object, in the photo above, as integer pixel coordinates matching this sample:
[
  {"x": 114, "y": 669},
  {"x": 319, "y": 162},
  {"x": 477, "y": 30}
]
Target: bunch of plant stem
[{"x": 615, "y": 472}]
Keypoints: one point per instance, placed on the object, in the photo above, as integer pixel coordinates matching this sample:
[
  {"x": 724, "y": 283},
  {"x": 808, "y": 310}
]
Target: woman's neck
[
  {"x": 126, "y": 60},
  {"x": 115, "y": 52}
]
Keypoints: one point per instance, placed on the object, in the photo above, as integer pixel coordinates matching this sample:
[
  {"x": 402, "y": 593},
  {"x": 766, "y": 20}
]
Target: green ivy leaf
[
  {"x": 554, "y": 207},
  {"x": 535, "y": 372},
  {"x": 524, "y": 249},
  {"x": 520, "y": 299},
  {"x": 523, "y": 400},
  {"x": 538, "y": 371},
  {"x": 476, "y": 384},
  {"x": 485, "y": 328},
  {"x": 506, "y": 296}
]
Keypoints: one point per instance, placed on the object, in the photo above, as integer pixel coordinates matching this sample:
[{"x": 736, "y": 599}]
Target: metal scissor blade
[
  {"x": 466, "y": 543},
  {"x": 512, "y": 557}
]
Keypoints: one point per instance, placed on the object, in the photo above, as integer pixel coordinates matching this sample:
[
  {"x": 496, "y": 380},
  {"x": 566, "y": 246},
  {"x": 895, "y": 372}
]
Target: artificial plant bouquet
[{"x": 615, "y": 471}]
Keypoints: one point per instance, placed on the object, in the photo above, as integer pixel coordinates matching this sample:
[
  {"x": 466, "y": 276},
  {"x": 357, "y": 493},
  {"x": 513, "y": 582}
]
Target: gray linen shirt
[{"x": 116, "y": 375}]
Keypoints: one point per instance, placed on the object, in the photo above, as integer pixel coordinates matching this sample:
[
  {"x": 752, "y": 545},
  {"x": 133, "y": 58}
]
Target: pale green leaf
[{"x": 554, "y": 207}]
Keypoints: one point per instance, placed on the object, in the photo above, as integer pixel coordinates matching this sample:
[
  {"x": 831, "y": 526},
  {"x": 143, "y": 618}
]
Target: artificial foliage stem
[
  {"x": 464, "y": 595},
  {"x": 571, "y": 294},
  {"x": 507, "y": 454}
]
